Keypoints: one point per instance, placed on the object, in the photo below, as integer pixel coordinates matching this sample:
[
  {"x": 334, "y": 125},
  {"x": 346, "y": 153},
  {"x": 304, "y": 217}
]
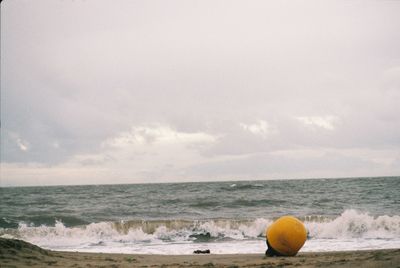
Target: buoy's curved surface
[{"x": 286, "y": 235}]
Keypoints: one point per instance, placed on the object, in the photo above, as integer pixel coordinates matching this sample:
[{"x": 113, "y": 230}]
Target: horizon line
[{"x": 205, "y": 181}]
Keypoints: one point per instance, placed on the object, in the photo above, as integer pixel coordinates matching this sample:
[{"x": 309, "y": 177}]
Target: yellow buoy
[{"x": 285, "y": 236}]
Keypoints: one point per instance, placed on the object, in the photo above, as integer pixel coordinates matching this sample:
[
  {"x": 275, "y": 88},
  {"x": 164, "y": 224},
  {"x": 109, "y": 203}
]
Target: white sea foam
[
  {"x": 351, "y": 230},
  {"x": 352, "y": 224}
]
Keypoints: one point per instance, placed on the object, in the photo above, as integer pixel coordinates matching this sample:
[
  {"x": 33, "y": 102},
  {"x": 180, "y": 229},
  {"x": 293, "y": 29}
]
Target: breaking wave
[
  {"x": 353, "y": 224},
  {"x": 140, "y": 232},
  {"x": 350, "y": 224}
]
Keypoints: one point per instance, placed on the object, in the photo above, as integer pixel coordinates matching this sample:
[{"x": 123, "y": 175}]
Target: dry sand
[{"x": 17, "y": 253}]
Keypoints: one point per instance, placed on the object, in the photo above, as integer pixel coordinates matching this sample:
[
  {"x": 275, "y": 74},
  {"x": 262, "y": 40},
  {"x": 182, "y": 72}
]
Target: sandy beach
[{"x": 17, "y": 253}]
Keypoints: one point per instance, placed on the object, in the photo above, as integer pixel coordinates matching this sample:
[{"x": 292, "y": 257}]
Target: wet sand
[{"x": 17, "y": 253}]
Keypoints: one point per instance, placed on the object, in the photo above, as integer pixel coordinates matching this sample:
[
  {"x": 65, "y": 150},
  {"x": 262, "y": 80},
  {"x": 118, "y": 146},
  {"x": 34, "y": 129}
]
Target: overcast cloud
[{"x": 158, "y": 91}]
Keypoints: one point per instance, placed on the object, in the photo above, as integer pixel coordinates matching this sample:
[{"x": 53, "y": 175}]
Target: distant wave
[
  {"x": 242, "y": 186},
  {"x": 237, "y": 203},
  {"x": 350, "y": 224}
]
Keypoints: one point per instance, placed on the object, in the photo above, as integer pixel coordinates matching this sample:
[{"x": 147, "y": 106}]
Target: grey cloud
[{"x": 76, "y": 73}]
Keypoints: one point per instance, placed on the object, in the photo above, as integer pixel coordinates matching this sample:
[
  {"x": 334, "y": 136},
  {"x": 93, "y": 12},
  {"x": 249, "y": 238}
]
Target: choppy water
[{"x": 226, "y": 217}]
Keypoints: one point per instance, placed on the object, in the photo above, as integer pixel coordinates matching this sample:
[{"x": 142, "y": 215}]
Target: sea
[{"x": 224, "y": 217}]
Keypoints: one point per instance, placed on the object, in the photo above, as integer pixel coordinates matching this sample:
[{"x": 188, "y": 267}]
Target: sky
[{"x": 98, "y": 92}]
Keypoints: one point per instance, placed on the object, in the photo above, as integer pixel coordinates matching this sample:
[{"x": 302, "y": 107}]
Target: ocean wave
[
  {"x": 48, "y": 220},
  {"x": 353, "y": 224},
  {"x": 238, "y": 203},
  {"x": 350, "y": 224},
  {"x": 139, "y": 232},
  {"x": 242, "y": 186},
  {"x": 205, "y": 204}
]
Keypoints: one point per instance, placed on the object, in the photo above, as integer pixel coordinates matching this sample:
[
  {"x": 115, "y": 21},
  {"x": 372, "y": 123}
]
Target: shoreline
[{"x": 18, "y": 253}]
